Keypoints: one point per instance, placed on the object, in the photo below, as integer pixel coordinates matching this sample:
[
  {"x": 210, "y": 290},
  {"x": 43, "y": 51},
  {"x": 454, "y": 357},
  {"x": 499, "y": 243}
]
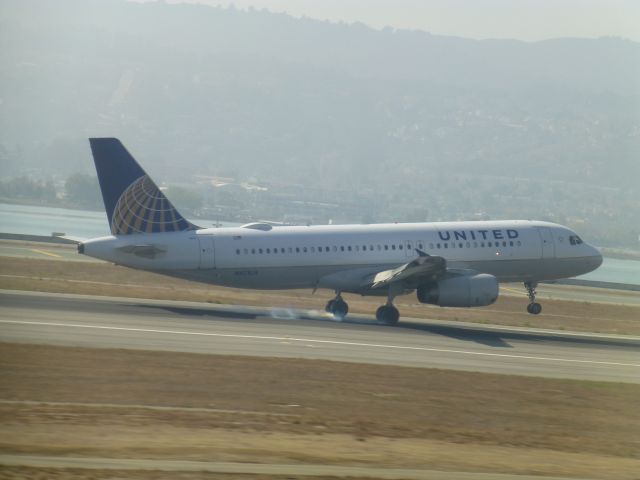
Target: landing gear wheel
[
  {"x": 339, "y": 308},
  {"x": 329, "y": 307},
  {"x": 388, "y": 314},
  {"x": 534, "y": 308}
]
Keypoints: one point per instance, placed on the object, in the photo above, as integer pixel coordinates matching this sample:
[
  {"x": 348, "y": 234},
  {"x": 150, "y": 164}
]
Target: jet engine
[{"x": 476, "y": 290}]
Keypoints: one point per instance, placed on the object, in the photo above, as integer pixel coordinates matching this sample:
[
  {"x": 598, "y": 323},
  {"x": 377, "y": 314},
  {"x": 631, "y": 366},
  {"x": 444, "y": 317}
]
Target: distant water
[
  {"x": 32, "y": 220},
  {"x": 617, "y": 271}
]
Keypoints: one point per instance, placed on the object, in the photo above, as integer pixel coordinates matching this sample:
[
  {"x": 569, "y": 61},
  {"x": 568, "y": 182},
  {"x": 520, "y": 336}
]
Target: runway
[{"x": 74, "y": 320}]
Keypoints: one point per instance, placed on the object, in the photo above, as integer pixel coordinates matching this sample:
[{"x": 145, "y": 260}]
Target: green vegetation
[{"x": 83, "y": 191}]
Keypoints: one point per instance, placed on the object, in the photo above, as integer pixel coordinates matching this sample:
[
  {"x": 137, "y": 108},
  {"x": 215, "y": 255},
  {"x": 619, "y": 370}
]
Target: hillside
[{"x": 386, "y": 125}]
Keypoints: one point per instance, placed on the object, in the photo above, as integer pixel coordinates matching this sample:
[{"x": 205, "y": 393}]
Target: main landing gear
[
  {"x": 337, "y": 307},
  {"x": 387, "y": 314},
  {"x": 534, "y": 308}
]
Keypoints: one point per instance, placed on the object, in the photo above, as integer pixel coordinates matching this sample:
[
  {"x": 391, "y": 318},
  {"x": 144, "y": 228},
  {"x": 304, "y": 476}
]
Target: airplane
[{"x": 450, "y": 264}]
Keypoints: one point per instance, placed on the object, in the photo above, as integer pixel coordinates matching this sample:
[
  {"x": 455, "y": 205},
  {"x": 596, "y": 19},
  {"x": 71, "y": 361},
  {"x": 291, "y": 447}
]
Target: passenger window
[
  {"x": 290, "y": 249},
  {"x": 420, "y": 246},
  {"x": 482, "y": 244},
  {"x": 268, "y": 251},
  {"x": 446, "y": 245},
  {"x": 342, "y": 248},
  {"x": 386, "y": 247},
  {"x": 504, "y": 244},
  {"x": 438, "y": 245},
  {"x": 393, "y": 247},
  {"x": 371, "y": 248},
  {"x": 260, "y": 251},
  {"x": 304, "y": 249},
  {"x": 519, "y": 243},
  {"x": 468, "y": 244},
  {"x": 237, "y": 251},
  {"x": 400, "y": 246},
  {"x": 460, "y": 245},
  {"x": 349, "y": 248},
  {"x": 297, "y": 249},
  {"x": 253, "y": 251},
  {"x": 511, "y": 243},
  {"x": 430, "y": 246},
  {"x": 488, "y": 244}
]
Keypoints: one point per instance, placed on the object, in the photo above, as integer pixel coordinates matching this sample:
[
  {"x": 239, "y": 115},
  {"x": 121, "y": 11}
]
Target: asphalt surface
[
  {"x": 129, "y": 464},
  {"x": 75, "y": 320}
]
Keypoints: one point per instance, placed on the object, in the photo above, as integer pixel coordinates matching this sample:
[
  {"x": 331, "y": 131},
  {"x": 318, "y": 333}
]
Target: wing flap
[{"x": 413, "y": 272}]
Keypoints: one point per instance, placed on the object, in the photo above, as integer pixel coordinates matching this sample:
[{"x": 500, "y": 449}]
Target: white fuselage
[{"x": 339, "y": 257}]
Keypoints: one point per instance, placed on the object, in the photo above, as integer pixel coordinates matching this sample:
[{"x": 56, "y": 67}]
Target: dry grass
[
  {"x": 229, "y": 408},
  {"x": 106, "y": 279},
  {"x": 20, "y": 473}
]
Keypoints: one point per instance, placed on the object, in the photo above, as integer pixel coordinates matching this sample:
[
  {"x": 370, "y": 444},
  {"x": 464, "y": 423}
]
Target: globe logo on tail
[{"x": 143, "y": 208}]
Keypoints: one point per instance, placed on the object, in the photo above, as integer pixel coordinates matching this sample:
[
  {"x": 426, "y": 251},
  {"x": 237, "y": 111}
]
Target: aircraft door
[
  {"x": 207, "y": 252},
  {"x": 548, "y": 246}
]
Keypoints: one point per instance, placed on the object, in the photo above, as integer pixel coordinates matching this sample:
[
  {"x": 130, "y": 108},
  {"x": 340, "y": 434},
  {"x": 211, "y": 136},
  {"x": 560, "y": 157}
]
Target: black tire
[
  {"x": 535, "y": 309},
  {"x": 340, "y": 309},
  {"x": 389, "y": 315},
  {"x": 329, "y": 306}
]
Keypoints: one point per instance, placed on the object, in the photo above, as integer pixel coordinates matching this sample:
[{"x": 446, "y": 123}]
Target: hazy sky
[{"x": 521, "y": 19}]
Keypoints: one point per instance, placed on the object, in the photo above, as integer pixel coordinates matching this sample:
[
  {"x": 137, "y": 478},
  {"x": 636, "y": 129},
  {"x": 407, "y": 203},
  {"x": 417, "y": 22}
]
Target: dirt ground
[
  {"x": 107, "y": 279},
  {"x": 20, "y": 473},
  {"x": 67, "y": 401}
]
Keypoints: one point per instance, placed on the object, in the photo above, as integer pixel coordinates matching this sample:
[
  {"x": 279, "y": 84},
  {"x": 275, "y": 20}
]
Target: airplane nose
[{"x": 596, "y": 258}]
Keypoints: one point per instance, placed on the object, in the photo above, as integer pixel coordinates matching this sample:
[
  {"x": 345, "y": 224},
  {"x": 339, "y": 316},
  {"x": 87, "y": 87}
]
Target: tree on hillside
[{"x": 83, "y": 191}]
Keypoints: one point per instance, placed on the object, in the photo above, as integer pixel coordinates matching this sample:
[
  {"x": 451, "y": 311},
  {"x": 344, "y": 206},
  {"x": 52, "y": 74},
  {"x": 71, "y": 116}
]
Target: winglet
[
  {"x": 133, "y": 202},
  {"x": 421, "y": 253}
]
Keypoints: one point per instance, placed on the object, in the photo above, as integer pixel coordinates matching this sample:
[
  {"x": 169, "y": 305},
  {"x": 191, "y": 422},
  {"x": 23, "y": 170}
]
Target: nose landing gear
[{"x": 534, "y": 308}]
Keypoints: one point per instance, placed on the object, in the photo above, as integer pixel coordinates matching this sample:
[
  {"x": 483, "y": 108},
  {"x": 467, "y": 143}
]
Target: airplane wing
[{"x": 411, "y": 274}]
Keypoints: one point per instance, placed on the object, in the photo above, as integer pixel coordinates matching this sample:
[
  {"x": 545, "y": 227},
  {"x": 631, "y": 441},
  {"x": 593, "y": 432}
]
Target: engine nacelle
[{"x": 477, "y": 290}]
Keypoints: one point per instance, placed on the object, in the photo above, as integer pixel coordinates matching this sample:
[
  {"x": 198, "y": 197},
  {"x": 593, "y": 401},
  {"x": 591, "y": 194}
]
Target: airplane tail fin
[{"x": 133, "y": 202}]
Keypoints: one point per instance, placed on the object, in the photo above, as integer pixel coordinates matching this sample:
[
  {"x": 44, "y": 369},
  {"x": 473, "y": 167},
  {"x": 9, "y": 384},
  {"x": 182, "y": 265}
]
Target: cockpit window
[{"x": 575, "y": 240}]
